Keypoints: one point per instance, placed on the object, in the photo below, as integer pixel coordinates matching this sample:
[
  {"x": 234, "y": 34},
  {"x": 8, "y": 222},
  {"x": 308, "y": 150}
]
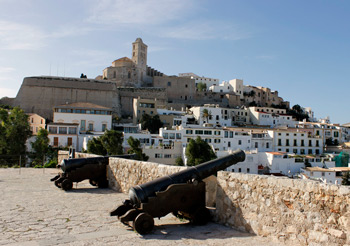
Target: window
[
  {"x": 310, "y": 151},
  {"x": 295, "y": 142},
  {"x": 165, "y": 135},
  {"x": 248, "y": 170},
  {"x": 267, "y": 145},
  {"x": 186, "y": 86},
  {"x": 228, "y": 144},
  {"x": 336, "y": 134},
  {"x": 198, "y": 132},
  {"x": 82, "y": 125},
  {"x": 178, "y": 135},
  {"x": 279, "y": 142},
  {"x": 239, "y": 170},
  {"x": 53, "y": 129},
  {"x": 171, "y": 135},
  {"x": 91, "y": 127},
  {"x": 69, "y": 142},
  {"x": 226, "y": 134},
  {"x": 55, "y": 141},
  {"x": 302, "y": 142},
  {"x": 167, "y": 155},
  {"x": 169, "y": 83},
  {"x": 158, "y": 156},
  {"x": 189, "y": 132},
  {"x": 62, "y": 130},
  {"x": 287, "y": 142},
  {"x": 239, "y": 142},
  {"x": 207, "y": 132},
  {"x": 72, "y": 130},
  {"x": 295, "y": 151},
  {"x": 104, "y": 127},
  {"x": 256, "y": 144},
  {"x": 310, "y": 142}
]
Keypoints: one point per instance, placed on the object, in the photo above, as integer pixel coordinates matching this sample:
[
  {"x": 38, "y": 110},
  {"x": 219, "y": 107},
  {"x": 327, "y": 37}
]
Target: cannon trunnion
[
  {"x": 182, "y": 194},
  {"x": 79, "y": 169}
]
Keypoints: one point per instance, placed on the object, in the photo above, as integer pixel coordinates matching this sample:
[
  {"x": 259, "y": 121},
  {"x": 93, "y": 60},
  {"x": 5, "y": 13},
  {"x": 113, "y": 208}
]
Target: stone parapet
[{"x": 303, "y": 211}]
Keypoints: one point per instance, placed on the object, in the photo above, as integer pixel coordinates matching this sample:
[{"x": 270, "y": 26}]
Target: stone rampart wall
[
  {"x": 63, "y": 154},
  {"x": 302, "y": 211}
]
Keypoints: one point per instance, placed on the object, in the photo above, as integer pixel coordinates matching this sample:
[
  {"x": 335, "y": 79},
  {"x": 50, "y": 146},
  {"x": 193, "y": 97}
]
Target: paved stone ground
[{"x": 33, "y": 211}]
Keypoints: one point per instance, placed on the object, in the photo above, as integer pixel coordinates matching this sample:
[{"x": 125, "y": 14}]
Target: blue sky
[{"x": 299, "y": 48}]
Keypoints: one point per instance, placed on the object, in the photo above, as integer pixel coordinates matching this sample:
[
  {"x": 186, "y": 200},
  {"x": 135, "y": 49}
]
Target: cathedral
[{"x": 132, "y": 72}]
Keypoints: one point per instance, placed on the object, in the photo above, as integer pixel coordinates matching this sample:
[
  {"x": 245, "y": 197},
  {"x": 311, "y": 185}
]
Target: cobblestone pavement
[{"x": 33, "y": 211}]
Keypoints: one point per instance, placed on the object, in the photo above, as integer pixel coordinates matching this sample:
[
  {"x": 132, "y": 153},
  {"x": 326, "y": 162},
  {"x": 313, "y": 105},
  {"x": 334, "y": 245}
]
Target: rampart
[
  {"x": 300, "y": 211},
  {"x": 40, "y": 94}
]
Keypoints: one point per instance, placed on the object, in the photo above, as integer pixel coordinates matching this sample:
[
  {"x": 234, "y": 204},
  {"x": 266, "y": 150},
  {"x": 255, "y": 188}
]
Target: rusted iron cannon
[
  {"x": 182, "y": 194},
  {"x": 79, "y": 169}
]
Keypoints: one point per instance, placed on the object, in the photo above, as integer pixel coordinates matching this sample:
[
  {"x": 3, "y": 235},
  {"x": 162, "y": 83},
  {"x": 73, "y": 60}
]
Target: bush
[{"x": 51, "y": 164}]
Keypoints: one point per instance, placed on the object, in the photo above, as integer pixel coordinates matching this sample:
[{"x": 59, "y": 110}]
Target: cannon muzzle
[{"x": 140, "y": 193}]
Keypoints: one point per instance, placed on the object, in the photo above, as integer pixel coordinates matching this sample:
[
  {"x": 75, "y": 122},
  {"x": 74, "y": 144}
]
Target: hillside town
[{"x": 279, "y": 139}]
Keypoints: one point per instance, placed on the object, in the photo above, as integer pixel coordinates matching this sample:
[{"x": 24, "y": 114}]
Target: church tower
[
  {"x": 139, "y": 53},
  {"x": 139, "y": 57}
]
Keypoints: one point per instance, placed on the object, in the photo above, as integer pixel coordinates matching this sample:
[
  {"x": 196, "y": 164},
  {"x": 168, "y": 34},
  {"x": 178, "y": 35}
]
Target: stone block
[{"x": 337, "y": 233}]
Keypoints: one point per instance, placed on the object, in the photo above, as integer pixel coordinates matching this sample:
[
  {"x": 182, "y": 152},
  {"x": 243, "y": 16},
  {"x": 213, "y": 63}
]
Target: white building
[
  {"x": 205, "y": 80},
  {"x": 297, "y": 141},
  {"x": 326, "y": 175},
  {"x": 90, "y": 117},
  {"x": 63, "y": 135},
  {"x": 237, "y": 87},
  {"x": 264, "y": 116}
]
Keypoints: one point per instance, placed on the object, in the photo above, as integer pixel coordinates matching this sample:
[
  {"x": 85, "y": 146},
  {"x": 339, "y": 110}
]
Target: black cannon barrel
[
  {"x": 140, "y": 193},
  {"x": 71, "y": 164}
]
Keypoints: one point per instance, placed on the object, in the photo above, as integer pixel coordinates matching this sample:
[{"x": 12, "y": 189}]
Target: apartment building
[
  {"x": 297, "y": 141},
  {"x": 63, "y": 135}
]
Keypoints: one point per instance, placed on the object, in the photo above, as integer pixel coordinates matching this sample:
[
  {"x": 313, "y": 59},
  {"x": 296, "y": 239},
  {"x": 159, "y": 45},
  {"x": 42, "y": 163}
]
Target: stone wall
[
  {"x": 40, "y": 94},
  {"x": 63, "y": 154},
  {"x": 302, "y": 211},
  {"x": 124, "y": 174}
]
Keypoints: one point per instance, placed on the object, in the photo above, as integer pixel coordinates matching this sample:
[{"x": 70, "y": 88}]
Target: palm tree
[{"x": 206, "y": 114}]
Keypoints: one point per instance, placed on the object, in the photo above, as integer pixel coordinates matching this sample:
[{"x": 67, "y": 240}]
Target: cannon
[
  {"x": 182, "y": 194},
  {"x": 79, "y": 169}
]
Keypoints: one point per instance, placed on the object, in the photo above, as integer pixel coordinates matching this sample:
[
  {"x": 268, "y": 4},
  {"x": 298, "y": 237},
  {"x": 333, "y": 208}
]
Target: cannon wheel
[
  {"x": 103, "y": 183},
  {"x": 201, "y": 216},
  {"x": 67, "y": 184},
  {"x": 143, "y": 223},
  {"x": 93, "y": 182},
  {"x": 58, "y": 183}
]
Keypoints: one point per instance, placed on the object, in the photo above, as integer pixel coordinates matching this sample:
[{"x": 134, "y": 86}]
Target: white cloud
[{"x": 138, "y": 12}]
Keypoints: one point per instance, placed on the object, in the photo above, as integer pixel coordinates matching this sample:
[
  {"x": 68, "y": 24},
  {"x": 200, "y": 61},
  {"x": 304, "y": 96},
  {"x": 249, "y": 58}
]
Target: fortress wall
[
  {"x": 303, "y": 211},
  {"x": 127, "y": 94},
  {"x": 40, "y": 94}
]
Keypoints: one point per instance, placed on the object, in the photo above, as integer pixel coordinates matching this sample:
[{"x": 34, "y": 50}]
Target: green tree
[
  {"x": 198, "y": 151},
  {"x": 40, "y": 145},
  {"x": 110, "y": 143},
  {"x": 201, "y": 86},
  {"x": 94, "y": 146},
  {"x": 179, "y": 161},
  {"x": 206, "y": 114},
  {"x": 151, "y": 123},
  {"x": 297, "y": 112},
  {"x": 346, "y": 178},
  {"x": 135, "y": 149},
  {"x": 14, "y": 132}
]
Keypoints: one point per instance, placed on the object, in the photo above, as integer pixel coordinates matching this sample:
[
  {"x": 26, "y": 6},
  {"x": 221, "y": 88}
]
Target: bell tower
[{"x": 139, "y": 53}]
